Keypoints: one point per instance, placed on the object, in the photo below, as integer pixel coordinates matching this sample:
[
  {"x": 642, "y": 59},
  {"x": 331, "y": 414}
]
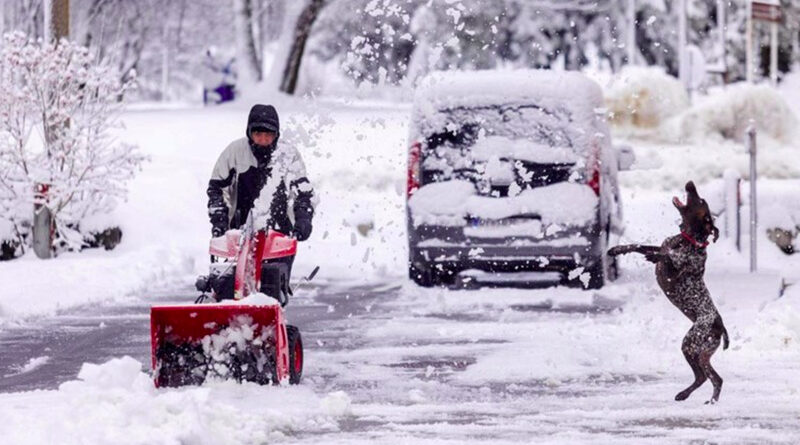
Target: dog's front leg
[{"x": 647, "y": 251}]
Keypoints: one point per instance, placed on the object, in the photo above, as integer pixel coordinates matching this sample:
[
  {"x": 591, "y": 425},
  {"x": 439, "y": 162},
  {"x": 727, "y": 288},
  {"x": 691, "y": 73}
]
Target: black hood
[{"x": 264, "y": 117}]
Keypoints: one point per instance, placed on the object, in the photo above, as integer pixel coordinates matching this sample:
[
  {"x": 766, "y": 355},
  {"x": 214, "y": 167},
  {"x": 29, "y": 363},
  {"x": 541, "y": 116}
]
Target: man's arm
[
  {"x": 302, "y": 192},
  {"x": 221, "y": 177}
]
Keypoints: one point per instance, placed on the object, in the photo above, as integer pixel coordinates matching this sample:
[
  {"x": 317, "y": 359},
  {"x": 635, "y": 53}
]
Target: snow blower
[{"x": 238, "y": 331}]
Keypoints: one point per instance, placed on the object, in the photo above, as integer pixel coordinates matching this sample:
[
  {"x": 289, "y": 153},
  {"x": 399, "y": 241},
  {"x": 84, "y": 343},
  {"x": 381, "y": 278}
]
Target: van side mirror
[{"x": 625, "y": 157}]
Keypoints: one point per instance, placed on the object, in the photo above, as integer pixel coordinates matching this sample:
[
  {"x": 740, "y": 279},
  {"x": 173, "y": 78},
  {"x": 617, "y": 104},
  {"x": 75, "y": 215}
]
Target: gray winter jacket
[{"x": 268, "y": 180}]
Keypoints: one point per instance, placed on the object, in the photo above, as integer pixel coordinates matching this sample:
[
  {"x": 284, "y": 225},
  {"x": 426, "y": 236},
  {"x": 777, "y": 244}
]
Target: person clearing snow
[{"x": 255, "y": 174}]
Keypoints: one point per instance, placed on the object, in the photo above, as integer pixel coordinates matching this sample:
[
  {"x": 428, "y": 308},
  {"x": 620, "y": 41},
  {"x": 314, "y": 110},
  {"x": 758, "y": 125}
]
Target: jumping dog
[{"x": 680, "y": 265}]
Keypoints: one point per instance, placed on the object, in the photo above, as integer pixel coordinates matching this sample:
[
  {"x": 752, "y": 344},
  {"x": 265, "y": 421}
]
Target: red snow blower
[{"x": 236, "y": 332}]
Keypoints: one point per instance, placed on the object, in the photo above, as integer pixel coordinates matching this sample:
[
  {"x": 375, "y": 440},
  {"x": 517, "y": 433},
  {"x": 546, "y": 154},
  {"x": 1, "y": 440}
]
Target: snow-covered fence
[{"x": 59, "y": 92}]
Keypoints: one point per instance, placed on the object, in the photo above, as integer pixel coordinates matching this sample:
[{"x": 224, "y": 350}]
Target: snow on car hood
[{"x": 448, "y": 203}]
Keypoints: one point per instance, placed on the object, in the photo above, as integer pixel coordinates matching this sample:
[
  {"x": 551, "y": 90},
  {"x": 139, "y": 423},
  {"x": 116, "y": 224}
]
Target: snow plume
[{"x": 61, "y": 94}]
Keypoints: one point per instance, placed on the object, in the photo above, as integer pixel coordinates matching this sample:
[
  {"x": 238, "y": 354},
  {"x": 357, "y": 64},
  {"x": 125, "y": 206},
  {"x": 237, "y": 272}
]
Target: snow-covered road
[{"x": 388, "y": 362}]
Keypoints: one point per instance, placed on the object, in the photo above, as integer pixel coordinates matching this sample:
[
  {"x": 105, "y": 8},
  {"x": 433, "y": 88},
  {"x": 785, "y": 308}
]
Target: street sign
[{"x": 766, "y": 11}]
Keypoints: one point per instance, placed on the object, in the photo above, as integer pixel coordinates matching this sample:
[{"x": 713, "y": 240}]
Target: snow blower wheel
[{"x": 295, "y": 341}]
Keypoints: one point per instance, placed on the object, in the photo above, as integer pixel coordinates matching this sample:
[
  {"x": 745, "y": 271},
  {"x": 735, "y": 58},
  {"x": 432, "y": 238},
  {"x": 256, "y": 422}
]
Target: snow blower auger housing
[{"x": 238, "y": 332}]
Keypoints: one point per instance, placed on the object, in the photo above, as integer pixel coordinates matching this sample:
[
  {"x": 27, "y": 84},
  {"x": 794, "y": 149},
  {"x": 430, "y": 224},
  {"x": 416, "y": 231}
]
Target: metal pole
[
  {"x": 749, "y": 43},
  {"x": 631, "y": 37},
  {"x": 773, "y": 53},
  {"x": 751, "y": 149}
]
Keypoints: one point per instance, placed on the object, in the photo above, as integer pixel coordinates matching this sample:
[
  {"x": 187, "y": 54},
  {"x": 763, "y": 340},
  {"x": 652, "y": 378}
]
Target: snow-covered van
[{"x": 512, "y": 178}]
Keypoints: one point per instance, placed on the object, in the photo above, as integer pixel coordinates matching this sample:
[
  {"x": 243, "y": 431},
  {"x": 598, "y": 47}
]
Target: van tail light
[
  {"x": 594, "y": 179},
  {"x": 414, "y": 154}
]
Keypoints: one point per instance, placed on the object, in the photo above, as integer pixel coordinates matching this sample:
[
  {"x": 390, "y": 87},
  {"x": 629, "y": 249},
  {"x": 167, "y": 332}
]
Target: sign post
[{"x": 768, "y": 11}]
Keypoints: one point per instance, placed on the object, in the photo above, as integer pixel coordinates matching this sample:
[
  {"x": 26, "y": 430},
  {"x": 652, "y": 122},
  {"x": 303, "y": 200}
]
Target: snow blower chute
[{"x": 238, "y": 331}]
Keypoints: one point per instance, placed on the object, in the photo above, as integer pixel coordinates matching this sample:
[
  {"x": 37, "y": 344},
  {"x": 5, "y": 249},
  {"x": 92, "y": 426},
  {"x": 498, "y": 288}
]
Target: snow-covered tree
[{"x": 59, "y": 93}]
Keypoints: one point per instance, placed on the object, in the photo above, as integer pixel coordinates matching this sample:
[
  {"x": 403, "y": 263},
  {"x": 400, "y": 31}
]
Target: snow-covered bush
[
  {"x": 727, "y": 113},
  {"x": 58, "y": 110},
  {"x": 644, "y": 97}
]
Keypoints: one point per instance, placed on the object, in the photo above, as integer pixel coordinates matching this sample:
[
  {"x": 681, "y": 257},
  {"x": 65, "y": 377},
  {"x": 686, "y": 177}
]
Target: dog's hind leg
[
  {"x": 716, "y": 380},
  {"x": 699, "y": 375}
]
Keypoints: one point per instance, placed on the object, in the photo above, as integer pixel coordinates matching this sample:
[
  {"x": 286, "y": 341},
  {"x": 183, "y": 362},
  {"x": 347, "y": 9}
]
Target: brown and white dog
[{"x": 680, "y": 265}]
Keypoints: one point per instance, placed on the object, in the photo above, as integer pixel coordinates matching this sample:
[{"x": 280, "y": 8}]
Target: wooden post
[{"x": 56, "y": 27}]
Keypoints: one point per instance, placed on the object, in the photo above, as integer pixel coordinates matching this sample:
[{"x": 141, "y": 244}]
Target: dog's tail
[
  {"x": 725, "y": 341},
  {"x": 724, "y": 332}
]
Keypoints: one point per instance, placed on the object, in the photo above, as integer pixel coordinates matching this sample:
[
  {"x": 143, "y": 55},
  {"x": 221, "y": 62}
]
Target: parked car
[{"x": 512, "y": 178}]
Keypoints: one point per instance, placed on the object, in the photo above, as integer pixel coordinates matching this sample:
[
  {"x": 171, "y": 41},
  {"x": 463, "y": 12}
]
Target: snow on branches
[{"x": 58, "y": 112}]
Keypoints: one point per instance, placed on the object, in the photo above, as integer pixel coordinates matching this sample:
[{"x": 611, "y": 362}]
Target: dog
[{"x": 680, "y": 265}]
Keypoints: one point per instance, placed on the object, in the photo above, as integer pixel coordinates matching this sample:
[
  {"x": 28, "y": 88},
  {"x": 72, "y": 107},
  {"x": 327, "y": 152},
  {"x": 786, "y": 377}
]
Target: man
[{"x": 253, "y": 173}]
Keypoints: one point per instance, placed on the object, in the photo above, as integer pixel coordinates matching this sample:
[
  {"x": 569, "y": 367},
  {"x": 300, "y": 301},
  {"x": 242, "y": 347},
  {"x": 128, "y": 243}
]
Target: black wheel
[{"x": 295, "y": 341}]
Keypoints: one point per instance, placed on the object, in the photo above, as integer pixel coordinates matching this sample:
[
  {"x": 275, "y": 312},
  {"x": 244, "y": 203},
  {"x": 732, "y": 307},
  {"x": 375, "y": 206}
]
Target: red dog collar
[{"x": 694, "y": 242}]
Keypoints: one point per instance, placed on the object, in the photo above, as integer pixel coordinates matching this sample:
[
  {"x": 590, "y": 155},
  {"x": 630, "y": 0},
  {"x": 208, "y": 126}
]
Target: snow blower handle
[{"x": 305, "y": 280}]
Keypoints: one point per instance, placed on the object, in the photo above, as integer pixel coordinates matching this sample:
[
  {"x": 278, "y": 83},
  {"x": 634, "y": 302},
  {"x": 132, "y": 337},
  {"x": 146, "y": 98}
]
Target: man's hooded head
[{"x": 263, "y": 118}]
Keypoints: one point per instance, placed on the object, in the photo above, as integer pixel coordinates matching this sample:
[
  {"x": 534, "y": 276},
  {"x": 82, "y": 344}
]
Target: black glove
[
  {"x": 302, "y": 229},
  {"x": 219, "y": 223}
]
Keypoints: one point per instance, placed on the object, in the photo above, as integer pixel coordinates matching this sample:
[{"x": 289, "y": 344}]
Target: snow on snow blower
[{"x": 238, "y": 332}]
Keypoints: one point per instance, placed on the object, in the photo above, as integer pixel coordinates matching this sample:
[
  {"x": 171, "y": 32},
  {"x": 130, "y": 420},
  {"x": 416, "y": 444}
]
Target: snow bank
[
  {"x": 726, "y": 114},
  {"x": 117, "y": 403},
  {"x": 644, "y": 97}
]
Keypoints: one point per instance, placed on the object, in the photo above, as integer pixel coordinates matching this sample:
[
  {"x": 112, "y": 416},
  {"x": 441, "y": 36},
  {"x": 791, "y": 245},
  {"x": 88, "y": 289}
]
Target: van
[{"x": 512, "y": 179}]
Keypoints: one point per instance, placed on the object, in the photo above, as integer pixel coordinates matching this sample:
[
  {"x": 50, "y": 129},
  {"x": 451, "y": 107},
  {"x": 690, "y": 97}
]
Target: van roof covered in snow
[
  {"x": 449, "y": 89},
  {"x": 567, "y": 96}
]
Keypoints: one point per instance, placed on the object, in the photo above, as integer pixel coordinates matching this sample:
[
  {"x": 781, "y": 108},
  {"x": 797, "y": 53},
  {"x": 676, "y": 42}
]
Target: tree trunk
[
  {"x": 301, "y": 32},
  {"x": 247, "y": 57}
]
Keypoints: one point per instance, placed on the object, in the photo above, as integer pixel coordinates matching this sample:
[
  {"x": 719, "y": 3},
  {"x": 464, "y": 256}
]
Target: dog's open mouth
[{"x": 677, "y": 202}]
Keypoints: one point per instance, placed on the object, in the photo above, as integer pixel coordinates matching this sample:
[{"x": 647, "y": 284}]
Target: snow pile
[
  {"x": 256, "y": 299},
  {"x": 448, "y": 203},
  {"x": 644, "y": 97},
  {"x": 117, "y": 403},
  {"x": 33, "y": 364},
  {"x": 726, "y": 114}
]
